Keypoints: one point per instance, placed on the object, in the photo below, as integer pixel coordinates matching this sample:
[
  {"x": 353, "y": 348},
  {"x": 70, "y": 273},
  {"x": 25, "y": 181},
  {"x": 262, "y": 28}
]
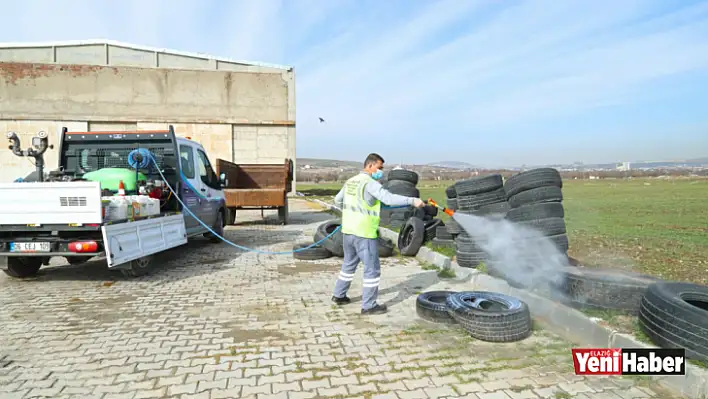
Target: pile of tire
[
  {"x": 401, "y": 182},
  {"x": 479, "y": 196},
  {"x": 487, "y": 316},
  {"x": 333, "y": 245},
  {"x": 536, "y": 200},
  {"x": 675, "y": 315}
]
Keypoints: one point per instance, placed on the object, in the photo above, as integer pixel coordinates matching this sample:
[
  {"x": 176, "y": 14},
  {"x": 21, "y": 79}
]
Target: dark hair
[{"x": 373, "y": 158}]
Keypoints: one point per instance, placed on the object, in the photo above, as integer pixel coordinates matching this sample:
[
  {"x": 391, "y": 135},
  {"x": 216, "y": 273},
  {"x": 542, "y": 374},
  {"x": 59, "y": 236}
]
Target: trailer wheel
[
  {"x": 23, "y": 266},
  {"x": 138, "y": 267},
  {"x": 283, "y": 213},
  {"x": 232, "y": 216}
]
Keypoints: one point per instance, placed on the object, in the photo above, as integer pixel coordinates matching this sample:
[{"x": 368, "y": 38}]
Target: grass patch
[{"x": 447, "y": 273}]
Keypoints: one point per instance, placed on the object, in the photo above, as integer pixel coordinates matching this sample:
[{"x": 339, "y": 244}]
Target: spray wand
[{"x": 432, "y": 202}]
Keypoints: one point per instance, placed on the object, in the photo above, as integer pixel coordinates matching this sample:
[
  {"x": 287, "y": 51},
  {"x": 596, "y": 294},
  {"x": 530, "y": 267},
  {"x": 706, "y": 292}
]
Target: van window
[{"x": 186, "y": 156}]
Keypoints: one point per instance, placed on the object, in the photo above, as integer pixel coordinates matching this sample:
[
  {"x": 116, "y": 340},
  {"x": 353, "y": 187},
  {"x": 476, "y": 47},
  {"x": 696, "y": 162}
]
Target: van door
[
  {"x": 210, "y": 188},
  {"x": 190, "y": 187}
]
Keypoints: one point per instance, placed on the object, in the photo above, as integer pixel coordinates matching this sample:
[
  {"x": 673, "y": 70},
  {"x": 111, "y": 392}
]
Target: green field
[{"x": 654, "y": 226}]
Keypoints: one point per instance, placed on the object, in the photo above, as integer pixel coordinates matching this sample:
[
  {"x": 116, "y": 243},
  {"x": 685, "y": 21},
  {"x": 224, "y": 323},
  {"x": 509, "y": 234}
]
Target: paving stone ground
[{"x": 216, "y": 322}]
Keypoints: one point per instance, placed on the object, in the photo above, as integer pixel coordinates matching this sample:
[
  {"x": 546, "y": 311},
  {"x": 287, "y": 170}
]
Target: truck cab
[{"x": 64, "y": 213}]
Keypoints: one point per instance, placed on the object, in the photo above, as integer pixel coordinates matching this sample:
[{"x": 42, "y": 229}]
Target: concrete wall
[{"x": 242, "y": 117}]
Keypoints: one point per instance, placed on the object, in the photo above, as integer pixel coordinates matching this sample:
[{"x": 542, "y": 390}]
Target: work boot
[
  {"x": 341, "y": 301},
  {"x": 377, "y": 309}
]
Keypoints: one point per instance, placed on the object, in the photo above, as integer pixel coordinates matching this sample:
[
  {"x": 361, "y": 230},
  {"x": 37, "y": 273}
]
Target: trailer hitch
[{"x": 40, "y": 144}]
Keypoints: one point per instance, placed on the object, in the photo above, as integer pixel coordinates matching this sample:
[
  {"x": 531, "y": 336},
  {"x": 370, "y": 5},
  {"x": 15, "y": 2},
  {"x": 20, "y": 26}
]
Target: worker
[{"x": 360, "y": 201}]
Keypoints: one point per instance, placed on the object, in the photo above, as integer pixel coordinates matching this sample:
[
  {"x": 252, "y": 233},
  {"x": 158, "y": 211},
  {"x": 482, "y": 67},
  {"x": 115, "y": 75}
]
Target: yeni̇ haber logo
[{"x": 629, "y": 361}]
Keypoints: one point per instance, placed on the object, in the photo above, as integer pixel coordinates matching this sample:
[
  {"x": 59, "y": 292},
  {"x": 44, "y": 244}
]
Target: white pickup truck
[{"x": 62, "y": 215}]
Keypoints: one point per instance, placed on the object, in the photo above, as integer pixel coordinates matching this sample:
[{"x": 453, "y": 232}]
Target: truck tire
[
  {"x": 452, "y": 203},
  {"x": 21, "y": 267},
  {"x": 77, "y": 260},
  {"x": 533, "y": 178},
  {"x": 402, "y": 187},
  {"x": 490, "y": 316},
  {"x": 411, "y": 237},
  {"x": 232, "y": 216},
  {"x": 476, "y": 201},
  {"x": 431, "y": 228},
  {"x": 675, "y": 315},
  {"x": 543, "y": 210},
  {"x": 403, "y": 175},
  {"x": 536, "y": 195},
  {"x": 545, "y": 227},
  {"x": 139, "y": 267},
  {"x": 430, "y": 306},
  {"x": 316, "y": 252},
  {"x": 218, "y": 228},
  {"x": 496, "y": 208},
  {"x": 478, "y": 185},
  {"x": 385, "y": 247},
  {"x": 335, "y": 243},
  {"x": 604, "y": 288},
  {"x": 450, "y": 192}
]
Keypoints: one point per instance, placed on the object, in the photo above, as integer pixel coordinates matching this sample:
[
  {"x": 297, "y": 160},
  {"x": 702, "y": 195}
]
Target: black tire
[
  {"x": 430, "y": 210},
  {"x": 431, "y": 228},
  {"x": 470, "y": 260},
  {"x": 546, "y": 227},
  {"x": 602, "y": 288},
  {"x": 403, "y": 175},
  {"x": 675, "y": 315},
  {"x": 450, "y": 192},
  {"x": 490, "y": 316},
  {"x": 21, "y": 267},
  {"x": 401, "y": 187},
  {"x": 431, "y": 306},
  {"x": 473, "y": 202},
  {"x": 478, "y": 185},
  {"x": 497, "y": 208},
  {"x": 536, "y": 211},
  {"x": 411, "y": 237},
  {"x": 442, "y": 233},
  {"x": 218, "y": 228},
  {"x": 335, "y": 243},
  {"x": 385, "y": 247},
  {"x": 314, "y": 253},
  {"x": 139, "y": 267},
  {"x": 531, "y": 179},
  {"x": 465, "y": 243},
  {"x": 453, "y": 227},
  {"x": 560, "y": 241},
  {"x": 536, "y": 195},
  {"x": 444, "y": 243},
  {"x": 452, "y": 203},
  {"x": 232, "y": 216}
]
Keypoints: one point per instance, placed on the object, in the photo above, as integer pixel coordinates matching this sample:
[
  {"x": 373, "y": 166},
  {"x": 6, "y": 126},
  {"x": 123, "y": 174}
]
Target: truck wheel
[
  {"x": 77, "y": 260},
  {"x": 23, "y": 266},
  {"x": 218, "y": 228},
  {"x": 232, "y": 216},
  {"x": 138, "y": 267}
]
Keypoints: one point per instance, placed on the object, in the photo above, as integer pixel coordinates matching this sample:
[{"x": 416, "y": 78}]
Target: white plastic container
[
  {"x": 118, "y": 208},
  {"x": 153, "y": 206}
]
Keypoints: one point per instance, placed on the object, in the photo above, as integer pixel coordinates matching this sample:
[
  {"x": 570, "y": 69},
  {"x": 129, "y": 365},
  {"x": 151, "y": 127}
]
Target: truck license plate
[{"x": 29, "y": 247}]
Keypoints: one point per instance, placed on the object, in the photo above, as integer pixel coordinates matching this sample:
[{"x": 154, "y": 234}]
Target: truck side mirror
[{"x": 222, "y": 179}]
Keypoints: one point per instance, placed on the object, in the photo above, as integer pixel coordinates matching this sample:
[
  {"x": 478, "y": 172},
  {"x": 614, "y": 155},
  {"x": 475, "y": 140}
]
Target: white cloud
[{"x": 405, "y": 67}]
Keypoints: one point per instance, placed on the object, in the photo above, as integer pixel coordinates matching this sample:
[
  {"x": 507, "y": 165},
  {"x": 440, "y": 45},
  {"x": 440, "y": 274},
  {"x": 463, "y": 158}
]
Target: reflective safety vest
[{"x": 358, "y": 217}]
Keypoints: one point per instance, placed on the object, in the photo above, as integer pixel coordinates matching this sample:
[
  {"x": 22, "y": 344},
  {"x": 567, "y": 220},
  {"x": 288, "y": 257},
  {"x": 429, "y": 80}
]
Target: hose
[{"x": 149, "y": 156}]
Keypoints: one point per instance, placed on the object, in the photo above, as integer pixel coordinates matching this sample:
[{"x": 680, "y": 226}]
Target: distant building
[{"x": 624, "y": 166}]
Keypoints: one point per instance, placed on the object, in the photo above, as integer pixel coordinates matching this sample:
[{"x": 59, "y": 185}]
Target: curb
[{"x": 567, "y": 322}]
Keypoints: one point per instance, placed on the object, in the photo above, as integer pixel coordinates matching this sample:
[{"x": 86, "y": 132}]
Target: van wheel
[
  {"x": 23, "y": 266},
  {"x": 218, "y": 228},
  {"x": 138, "y": 267}
]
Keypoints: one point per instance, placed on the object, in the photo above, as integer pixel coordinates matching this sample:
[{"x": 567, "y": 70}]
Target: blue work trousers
[{"x": 366, "y": 250}]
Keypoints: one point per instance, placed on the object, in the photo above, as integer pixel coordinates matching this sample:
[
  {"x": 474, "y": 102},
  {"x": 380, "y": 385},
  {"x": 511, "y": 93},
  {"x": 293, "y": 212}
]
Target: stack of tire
[
  {"x": 487, "y": 316},
  {"x": 535, "y": 197},
  {"x": 401, "y": 182},
  {"x": 480, "y": 196},
  {"x": 329, "y": 244},
  {"x": 445, "y": 233}
]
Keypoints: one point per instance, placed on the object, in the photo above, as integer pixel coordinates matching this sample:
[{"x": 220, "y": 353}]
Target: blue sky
[{"x": 487, "y": 82}]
